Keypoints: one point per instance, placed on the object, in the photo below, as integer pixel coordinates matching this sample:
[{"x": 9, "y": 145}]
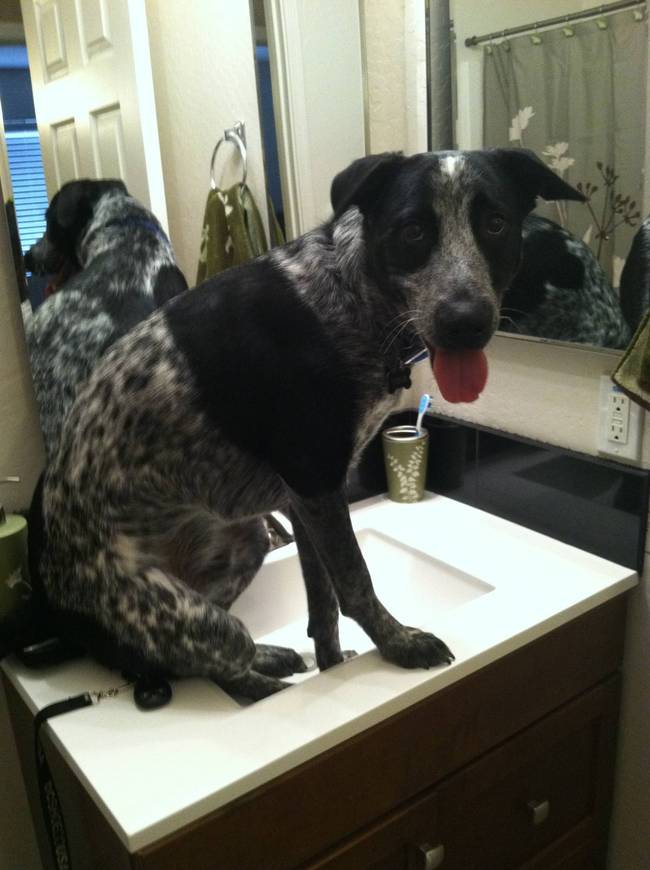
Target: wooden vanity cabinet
[
  {"x": 540, "y": 796},
  {"x": 510, "y": 767}
]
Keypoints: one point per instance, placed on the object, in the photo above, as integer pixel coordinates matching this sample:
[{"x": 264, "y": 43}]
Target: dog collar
[
  {"x": 399, "y": 377},
  {"x": 135, "y": 221}
]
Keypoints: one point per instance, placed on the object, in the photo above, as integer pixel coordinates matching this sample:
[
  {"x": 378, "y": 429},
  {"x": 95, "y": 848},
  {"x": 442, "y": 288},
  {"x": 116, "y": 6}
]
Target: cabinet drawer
[{"x": 549, "y": 784}]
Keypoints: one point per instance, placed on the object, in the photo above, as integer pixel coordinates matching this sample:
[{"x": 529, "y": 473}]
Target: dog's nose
[{"x": 464, "y": 324}]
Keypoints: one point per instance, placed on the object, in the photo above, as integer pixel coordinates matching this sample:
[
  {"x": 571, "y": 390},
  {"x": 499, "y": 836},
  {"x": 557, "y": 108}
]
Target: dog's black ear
[
  {"x": 75, "y": 201},
  {"x": 532, "y": 177},
  {"x": 71, "y": 204},
  {"x": 364, "y": 179}
]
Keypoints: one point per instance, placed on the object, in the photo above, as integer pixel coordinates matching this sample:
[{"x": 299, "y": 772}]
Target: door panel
[
  {"x": 65, "y": 152},
  {"x": 93, "y": 93},
  {"x": 108, "y": 144},
  {"x": 94, "y": 28},
  {"x": 51, "y": 42}
]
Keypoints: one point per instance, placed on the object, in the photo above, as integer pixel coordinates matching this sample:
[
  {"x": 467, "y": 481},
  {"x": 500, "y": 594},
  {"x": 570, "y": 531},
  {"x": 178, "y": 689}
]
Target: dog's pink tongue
[{"x": 461, "y": 374}]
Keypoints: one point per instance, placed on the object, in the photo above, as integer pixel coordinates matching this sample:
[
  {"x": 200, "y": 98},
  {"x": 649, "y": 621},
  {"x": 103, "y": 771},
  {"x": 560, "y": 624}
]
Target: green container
[
  {"x": 406, "y": 450},
  {"x": 13, "y": 563}
]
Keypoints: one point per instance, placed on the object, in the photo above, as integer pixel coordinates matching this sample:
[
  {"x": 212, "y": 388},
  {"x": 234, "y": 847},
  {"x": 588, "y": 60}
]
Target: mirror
[
  {"x": 569, "y": 82},
  {"x": 546, "y": 87}
]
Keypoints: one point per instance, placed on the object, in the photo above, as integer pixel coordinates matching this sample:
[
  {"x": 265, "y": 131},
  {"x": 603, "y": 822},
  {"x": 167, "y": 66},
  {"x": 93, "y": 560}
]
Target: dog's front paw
[
  {"x": 279, "y": 661},
  {"x": 412, "y": 648}
]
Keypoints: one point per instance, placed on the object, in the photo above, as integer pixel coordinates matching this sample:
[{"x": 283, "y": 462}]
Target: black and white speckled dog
[
  {"x": 122, "y": 268},
  {"x": 258, "y": 390},
  {"x": 561, "y": 291}
]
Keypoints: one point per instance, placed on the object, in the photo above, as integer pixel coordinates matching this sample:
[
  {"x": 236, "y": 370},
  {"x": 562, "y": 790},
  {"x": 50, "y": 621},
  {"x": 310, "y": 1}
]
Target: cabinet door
[{"x": 539, "y": 801}]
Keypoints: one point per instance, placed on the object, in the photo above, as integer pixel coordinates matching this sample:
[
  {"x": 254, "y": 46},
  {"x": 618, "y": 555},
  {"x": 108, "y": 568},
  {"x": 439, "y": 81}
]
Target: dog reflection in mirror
[{"x": 113, "y": 266}]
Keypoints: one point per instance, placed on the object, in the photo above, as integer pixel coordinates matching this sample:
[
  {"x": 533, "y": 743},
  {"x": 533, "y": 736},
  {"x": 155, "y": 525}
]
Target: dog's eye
[
  {"x": 495, "y": 224},
  {"x": 412, "y": 233}
]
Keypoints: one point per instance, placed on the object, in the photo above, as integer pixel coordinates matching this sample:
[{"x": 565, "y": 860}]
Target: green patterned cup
[{"x": 405, "y": 458}]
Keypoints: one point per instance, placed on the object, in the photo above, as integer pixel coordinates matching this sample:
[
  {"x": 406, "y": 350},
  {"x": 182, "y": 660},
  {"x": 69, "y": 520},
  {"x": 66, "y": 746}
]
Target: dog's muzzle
[{"x": 42, "y": 258}]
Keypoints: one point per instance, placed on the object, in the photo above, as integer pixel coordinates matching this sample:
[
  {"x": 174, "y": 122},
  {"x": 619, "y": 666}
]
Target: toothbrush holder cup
[{"x": 405, "y": 458}]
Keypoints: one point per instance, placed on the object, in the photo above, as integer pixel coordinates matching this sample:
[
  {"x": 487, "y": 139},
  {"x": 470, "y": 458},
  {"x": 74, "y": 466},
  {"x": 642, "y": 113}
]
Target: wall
[
  {"x": 21, "y": 452},
  {"x": 204, "y": 81}
]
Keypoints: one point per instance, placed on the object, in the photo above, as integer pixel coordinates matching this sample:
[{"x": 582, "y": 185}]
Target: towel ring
[{"x": 237, "y": 136}]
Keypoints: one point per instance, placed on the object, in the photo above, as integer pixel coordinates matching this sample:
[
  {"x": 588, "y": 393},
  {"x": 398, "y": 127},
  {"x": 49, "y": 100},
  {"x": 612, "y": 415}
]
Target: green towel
[
  {"x": 632, "y": 374},
  {"x": 232, "y": 233}
]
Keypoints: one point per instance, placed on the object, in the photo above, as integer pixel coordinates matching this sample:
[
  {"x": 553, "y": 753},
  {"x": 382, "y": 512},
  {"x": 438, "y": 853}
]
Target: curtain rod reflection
[{"x": 561, "y": 19}]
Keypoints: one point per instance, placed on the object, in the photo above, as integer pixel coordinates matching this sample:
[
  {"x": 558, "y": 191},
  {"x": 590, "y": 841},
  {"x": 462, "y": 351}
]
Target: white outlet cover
[{"x": 632, "y": 449}]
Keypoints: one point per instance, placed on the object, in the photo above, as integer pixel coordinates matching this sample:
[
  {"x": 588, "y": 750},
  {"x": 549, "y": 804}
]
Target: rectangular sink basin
[{"x": 415, "y": 587}]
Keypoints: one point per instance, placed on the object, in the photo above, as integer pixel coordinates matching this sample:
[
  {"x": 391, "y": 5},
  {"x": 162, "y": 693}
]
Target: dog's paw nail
[{"x": 349, "y": 654}]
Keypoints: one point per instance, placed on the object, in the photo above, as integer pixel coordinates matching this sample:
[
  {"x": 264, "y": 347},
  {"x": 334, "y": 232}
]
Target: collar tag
[{"x": 399, "y": 378}]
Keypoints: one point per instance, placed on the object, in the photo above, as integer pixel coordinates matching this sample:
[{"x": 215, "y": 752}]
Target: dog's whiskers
[
  {"x": 504, "y": 317},
  {"x": 405, "y": 319}
]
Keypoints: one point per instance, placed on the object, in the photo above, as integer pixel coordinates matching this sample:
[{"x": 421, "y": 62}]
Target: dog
[
  {"x": 561, "y": 291},
  {"x": 114, "y": 266},
  {"x": 258, "y": 390}
]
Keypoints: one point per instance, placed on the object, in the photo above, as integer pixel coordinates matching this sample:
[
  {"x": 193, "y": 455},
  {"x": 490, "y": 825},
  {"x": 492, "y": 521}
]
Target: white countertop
[{"x": 151, "y": 773}]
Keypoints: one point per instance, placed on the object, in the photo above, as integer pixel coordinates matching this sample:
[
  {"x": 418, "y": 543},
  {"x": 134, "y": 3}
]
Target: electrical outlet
[{"x": 620, "y": 423}]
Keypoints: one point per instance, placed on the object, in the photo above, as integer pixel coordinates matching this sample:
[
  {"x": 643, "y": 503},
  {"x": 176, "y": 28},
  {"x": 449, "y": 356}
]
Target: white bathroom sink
[{"x": 415, "y": 586}]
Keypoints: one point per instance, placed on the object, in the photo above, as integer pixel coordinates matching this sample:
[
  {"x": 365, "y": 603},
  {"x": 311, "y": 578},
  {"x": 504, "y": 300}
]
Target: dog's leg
[
  {"x": 221, "y": 560},
  {"x": 327, "y": 521},
  {"x": 323, "y": 606}
]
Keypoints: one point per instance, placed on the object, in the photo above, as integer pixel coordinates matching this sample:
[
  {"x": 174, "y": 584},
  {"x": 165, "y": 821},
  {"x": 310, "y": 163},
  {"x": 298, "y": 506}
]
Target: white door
[{"x": 93, "y": 93}]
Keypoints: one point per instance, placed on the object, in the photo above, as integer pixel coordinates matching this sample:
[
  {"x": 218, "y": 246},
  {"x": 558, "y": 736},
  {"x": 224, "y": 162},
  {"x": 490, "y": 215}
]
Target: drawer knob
[
  {"x": 539, "y": 811},
  {"x": 433, "y": 856}
]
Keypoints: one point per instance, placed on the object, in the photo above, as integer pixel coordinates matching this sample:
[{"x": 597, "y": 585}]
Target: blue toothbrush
[{"x": 425, "y": 404}]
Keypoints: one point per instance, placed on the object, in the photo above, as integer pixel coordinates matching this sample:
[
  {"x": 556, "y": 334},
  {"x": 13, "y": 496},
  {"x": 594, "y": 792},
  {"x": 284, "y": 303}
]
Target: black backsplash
[{"x": 597, "y": 505}]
